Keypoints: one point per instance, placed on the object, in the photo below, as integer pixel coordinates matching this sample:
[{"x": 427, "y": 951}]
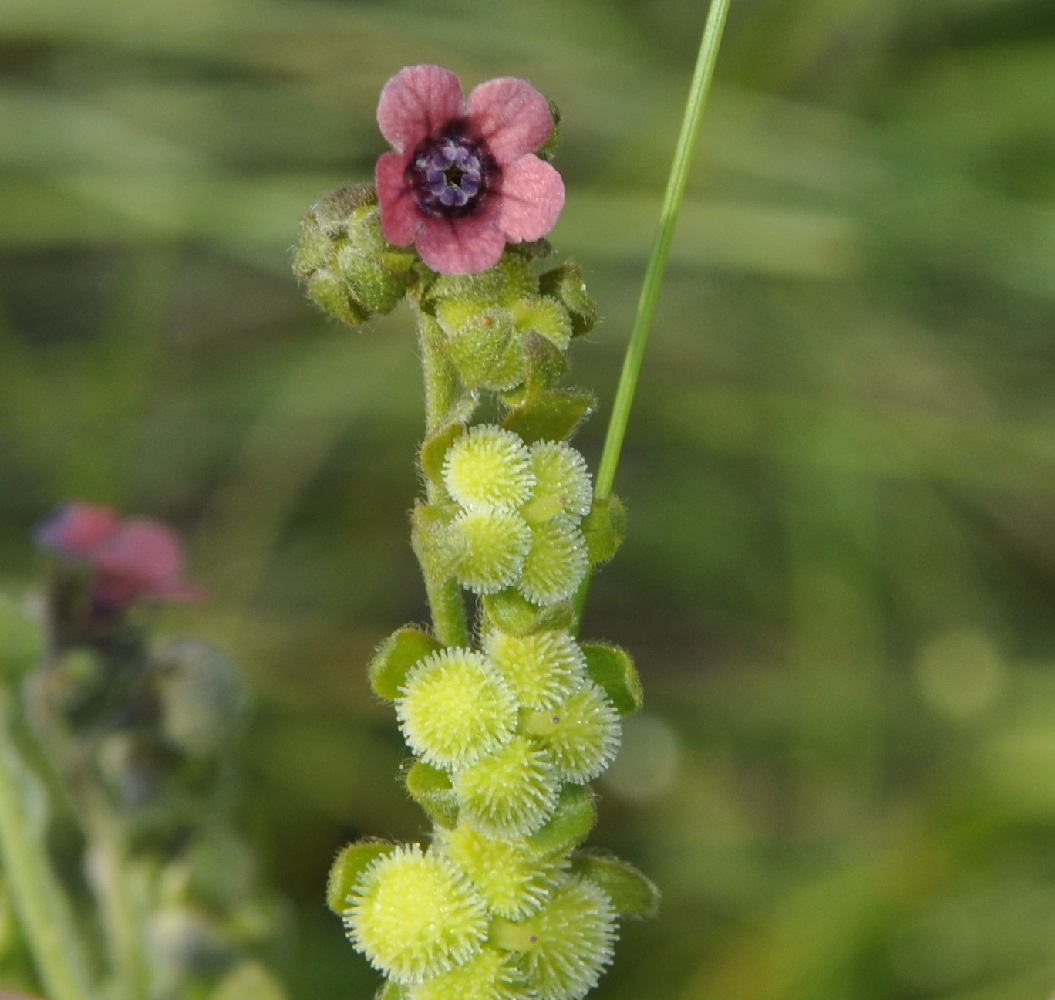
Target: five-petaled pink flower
[
  {"x": 132, "y": 560},
  {"x": 464, "y": 179}
]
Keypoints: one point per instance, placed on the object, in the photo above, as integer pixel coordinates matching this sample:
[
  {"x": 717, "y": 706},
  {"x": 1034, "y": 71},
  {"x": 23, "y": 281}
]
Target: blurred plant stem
[
  {"x": 699, "y": 88},
  {"x": 40, "y": 904}
]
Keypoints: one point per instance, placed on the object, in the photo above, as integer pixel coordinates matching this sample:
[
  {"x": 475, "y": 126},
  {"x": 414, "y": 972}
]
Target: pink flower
[
  {"x": 132, "y": 560},
  {"x": 464, "y": 179}
]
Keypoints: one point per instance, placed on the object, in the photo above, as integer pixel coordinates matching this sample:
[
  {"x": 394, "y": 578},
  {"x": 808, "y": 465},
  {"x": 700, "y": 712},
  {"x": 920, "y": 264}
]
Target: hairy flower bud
[
  {"x": 540, "y": 667},
  {"x": 556, "y": 563},
  {"x": 348, "y": 267}
]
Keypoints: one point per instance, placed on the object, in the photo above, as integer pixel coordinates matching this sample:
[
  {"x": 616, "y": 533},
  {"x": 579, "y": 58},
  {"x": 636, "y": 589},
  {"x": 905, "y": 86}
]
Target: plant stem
[
  {"x": 42, "y": 908},
  {"x": 646, "y": 305},
  {"x": 449, "y": 622},
  {"x": 121, "y": 916}
]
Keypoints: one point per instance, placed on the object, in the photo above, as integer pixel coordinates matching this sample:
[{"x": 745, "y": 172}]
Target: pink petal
[
  {"x": 400, "y": 217},
  {"x": 76, "y": 529},
  {"x": 144, "y": 554},
  {"x": 461, "y": 246},
  {"x": 513, "y": 117},
  {"x": 417, "y": 102},
  {"x": 532, "y": 197}
]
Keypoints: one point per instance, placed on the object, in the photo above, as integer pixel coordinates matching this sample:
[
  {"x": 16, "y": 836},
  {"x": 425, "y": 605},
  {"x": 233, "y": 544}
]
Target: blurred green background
[{"x": 840, "y": 576}]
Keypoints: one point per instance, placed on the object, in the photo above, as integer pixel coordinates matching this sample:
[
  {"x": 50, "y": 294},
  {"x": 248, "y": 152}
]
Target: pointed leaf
[
  {"x": 631, "y": 892},
  {"x": 614, "y": 670},
  {"x": 431, "y": 789},
  {"x": 351, "y": 861},
  {"x": 604, "y": 529},
  {"x": 551, "y": 416}
]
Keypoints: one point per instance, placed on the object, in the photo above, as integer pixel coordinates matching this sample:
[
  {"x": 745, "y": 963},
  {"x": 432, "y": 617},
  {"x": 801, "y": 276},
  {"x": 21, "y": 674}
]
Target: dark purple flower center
[{"x": 451, "y": 174}]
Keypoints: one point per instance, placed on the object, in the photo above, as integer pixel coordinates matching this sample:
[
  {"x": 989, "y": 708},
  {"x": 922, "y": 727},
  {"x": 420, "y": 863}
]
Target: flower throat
[{"x": 451, "y": 174}]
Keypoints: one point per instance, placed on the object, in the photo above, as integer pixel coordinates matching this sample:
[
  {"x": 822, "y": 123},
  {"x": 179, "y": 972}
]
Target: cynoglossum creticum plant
[{"x": 510, "y": 719}]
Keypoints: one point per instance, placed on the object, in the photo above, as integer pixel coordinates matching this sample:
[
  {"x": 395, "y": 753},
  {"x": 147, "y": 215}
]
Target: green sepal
[
  {"x": 550, "y": 416},
  {"x": 545, "y": 316},
  {"x": 431, "y": 540},
  {"x": 514, "y": 614},
  {"x": 431, "y": 789},
  {"x": 547, "y": 150},
  {"x": 434, "y": 450},
  {"x": 566, "y": 284},
  {"x": 396, "y": 656},
  {"x": 351, "y": 861},
  {"x": 570, "y": 824},
  {"x": 544, "y": 364},
  {"x": 631, "y": 893},
  {"x": 479, "y": 342},
  {"x": 604, "y": 529},
  {"x": 614, "y": 670},
  {"x": 391, "y": 991}
]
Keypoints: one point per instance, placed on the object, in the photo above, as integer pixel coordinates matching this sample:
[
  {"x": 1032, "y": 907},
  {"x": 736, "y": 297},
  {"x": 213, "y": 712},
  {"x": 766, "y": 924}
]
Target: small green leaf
[
  {"x": 604, "y": 529},
  {"x": 511, "y": 612},
  {"x": 431, "y": 789},
  {"x": 566, "y": 283},
  {"x": 394, "y": 658},
  {"x": 631, "y": 893},
  {"x": 434, "y": 450},
  {"x": 431, "y": 539},
  {"x": 544, "y": 364},
  {"x": 614, "y": 670},
  {"x": 550, "y": 416},
  {"x": 570, "y": 823},
  {"x": 351, "y": 861}
]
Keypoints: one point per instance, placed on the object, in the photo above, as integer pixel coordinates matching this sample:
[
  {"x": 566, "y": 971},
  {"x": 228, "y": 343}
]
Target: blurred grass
[{"x": 840, "y": 577}]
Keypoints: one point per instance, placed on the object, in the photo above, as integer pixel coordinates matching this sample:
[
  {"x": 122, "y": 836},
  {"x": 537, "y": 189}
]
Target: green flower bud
[
  {"x": 562, "y": 482},
  {"x": 348, "y": 267},
  {"x": 492, "y": 547},
  {"x": 482, "y": 343},
  {"x": 556, "y": 563},
  {"x": 489, "y": 467},
  {"x": 541, "y": 667},
  {"x": 509, "y": 793},
  {"x": 455, "y": 707},
  {"x": 569, "y": 942},
  {"x": 511, "y": 877},
  {"x": 583, "y": 734},
  {"x": 415, "y": 915}
]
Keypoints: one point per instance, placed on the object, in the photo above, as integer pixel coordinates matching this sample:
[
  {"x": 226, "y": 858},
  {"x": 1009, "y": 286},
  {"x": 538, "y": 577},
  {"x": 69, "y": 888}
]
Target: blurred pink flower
[
  {"x": 135, "y": 559},
  {"x": 464, "y": 179}
]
